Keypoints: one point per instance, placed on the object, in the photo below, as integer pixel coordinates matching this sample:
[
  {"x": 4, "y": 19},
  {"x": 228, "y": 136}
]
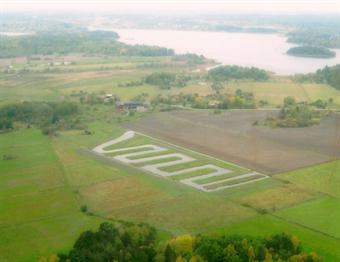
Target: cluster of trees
[
  {"x": 120, "y": 241},
  {"x": 293, "y": 114},
  {"x": 95, "y": 42},
  {"x": 329, "y": 75},
  {"x": 311, "y": 51},
  {"x": 129, "y": 242},
  {"x": 49, "y": 116},
  {"x": 167, "y": 80},
  {"x": 237, "y": 100},
  {"x": 235, "y": 248},
  {"x": 191, "y": 59},
  {"x": 226, "y": 73}
]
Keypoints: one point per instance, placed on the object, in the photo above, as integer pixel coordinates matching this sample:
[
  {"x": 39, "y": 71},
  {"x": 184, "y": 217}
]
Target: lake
[{"x": 266, "y": 51}]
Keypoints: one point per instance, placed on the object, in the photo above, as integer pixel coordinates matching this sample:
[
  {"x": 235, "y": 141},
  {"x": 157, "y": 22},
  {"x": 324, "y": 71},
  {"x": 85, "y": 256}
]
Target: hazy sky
[{"x": 257, "y": 6}]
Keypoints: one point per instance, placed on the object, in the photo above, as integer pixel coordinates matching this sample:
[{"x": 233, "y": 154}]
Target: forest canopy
[
  {"x": 87, "y": 42},
  {"x": 129, "y": 242},
  {"x": 329, "y": 75},
  {"x": 226, "y": 73}
]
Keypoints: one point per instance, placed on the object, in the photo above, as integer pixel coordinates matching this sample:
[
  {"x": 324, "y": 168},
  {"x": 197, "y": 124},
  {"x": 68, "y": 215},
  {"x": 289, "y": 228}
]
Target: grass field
[
  {"x": 39, "y": 211},
  {"x": 60, "y": 175},
  {"x": 272, "y": 91},
  {"x": 265, "y": 225},
  {"x": 320, "y": 215},
  {"x": 324, "y": 178},
  {"x": 46, "y": 180}
]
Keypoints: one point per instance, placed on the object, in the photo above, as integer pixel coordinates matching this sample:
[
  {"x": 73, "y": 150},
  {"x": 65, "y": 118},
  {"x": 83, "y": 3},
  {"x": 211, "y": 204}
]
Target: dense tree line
[
  {"x": 226, "y": 73},
  {"x": 235, "y": 248},
  {"x": 238, "y": 100},
  {"x": 311, "y": 51},
  {"x": 166, "y": 80},
  {"x": 328, "y": 75},
  {"x": 49, "y": 116},
  {"x": 95, "y": 42},
  {"x": 129, "y": 242},
  {"x": 115, "y": 242}
]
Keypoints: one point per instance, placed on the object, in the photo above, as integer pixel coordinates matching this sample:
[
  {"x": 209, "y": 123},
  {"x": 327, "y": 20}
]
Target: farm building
[{"x": 132, "y": 105}]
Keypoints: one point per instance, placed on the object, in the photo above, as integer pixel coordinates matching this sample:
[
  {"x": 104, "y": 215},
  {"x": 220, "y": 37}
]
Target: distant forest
[{"x": 64, "y": 42}]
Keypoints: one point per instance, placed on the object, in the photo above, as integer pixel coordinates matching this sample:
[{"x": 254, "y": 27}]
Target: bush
[{"x": 83, "y": 208}]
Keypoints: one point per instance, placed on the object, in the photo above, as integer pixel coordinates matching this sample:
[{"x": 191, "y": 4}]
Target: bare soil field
[{"x": 232, "y": 136}]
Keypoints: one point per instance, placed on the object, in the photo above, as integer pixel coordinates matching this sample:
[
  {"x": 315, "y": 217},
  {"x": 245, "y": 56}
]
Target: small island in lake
[{"x": 311, "y": 51}]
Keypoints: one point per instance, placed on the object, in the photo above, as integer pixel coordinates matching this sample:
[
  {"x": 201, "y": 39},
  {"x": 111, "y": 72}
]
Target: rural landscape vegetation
[{"x": 117, "y": 152}]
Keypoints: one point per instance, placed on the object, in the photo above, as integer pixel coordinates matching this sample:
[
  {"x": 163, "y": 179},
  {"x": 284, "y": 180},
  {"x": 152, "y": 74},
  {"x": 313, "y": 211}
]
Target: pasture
[{"x": 39, "y": 211}]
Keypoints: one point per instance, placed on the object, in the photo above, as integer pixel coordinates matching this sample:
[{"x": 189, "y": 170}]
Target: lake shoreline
[{"x": 265, "y": 51}]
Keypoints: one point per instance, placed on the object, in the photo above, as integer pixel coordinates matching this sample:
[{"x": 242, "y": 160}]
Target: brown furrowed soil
[{"x": 232, "y": 136}]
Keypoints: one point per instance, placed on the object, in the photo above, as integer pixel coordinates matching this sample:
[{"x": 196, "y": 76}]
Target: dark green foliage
[
  {"x": 97, "y": 42},
  {"x": 311, "y": 51},
  {"x": 217, "y": 101},
  {"x": 6, "y": 123},
  {"x": 166, "y": 80},
  {"x": 122, "y": 241},
  {"x": 7, "y": 157},
  {"x": 294, "y": 114},
  {"x": 49, "y": 116},
  {"x": 319, "y": 104},
  {"x": 329, "y": 75},
  {"x": 236, "y": 248},
  {"x": 226, "y": 73},
  {"x": 114, "y": 242},
  {"x": 169, "y": 254},
  {"x": 83, "y": 208}
]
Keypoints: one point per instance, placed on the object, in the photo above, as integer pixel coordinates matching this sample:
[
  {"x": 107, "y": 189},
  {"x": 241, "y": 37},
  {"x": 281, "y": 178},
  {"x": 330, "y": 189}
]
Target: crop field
[{"x": 232, "y": 136}]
